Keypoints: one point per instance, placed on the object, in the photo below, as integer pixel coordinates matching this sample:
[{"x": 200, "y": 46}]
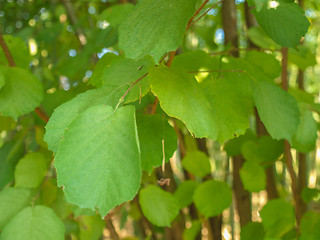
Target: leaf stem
[{"x": 121, "y": 100}]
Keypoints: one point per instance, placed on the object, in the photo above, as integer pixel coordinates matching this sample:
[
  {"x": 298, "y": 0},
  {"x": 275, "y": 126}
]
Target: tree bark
[{"x": 242, "y": 197}]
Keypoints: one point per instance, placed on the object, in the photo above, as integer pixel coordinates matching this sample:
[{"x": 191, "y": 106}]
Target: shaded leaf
[{"x": 152, "y": 129}]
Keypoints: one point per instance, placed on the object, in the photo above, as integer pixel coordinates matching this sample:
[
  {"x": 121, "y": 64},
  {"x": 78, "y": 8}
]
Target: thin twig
[
  {"x": 205, "y": 13},
  {"x": 204, "y": 71},
  {"x": 196, "y": 13},
  {"x": 243, "y": 49},
  {"x": 7, "y": 52}
]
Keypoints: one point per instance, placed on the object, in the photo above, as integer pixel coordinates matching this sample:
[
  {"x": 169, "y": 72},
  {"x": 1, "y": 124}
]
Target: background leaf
[
  {"x": 31, "y": 170},
  {"x": 21, "y": 94},
  {"x": 275, "y": 224},
  {"x": 197, "y": 163},
  {"x": 12, "y": 200},
  {"x": 212, "y": 197},
  {"x": 36, "y": 223},
  {"x": 152, "y": 198}
]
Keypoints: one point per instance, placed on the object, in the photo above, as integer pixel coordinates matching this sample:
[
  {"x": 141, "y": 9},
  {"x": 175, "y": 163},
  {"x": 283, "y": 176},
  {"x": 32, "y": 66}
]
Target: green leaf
[
  {"x": 91, "y": 227},
  {"x": 197, "y": 163},
  {"x": 152, "y": 129},
  {"x": 148, "y": 30},
  {"x": 262, "y": 150},
  {"x": 275, "y": 224},
  {"x": 230, "y": 107},
  {"x": 310, "y": 226},
  {"x": 181, "y": 97},
  {"x": 267, "y": 63},
  {"x": 277, "y": 109},
  {"x": 31, "y": 170},
  {"x": 10, "y": 153},
  {"x": 309, "y": 194},
  {"x": 184, "y": 192},
  {"x": 12, "y": 200},
  {"x": 98, "y": 159},
  {"x": 63, "y": 116},
  {"x": 115, "y": 15},
  {"x": 2, "y": 79},
  {"x": 253, "y": 177},
  {"x": 261, "y": 39},
  {"x": 7, "y": 123},
  {"x": 36, "y": 223},
  {"x": 302, "y": 57},
  {"x": 192, "y": 232},
  {"x": 193, "y": 61},
  {"x": 18, "y": 50},
  {"x": 284, "y": 22},
  {"x": 160, "y": 207},
  {"x": 212, "y": 197},
  {"x": 125, "y": 72},
  {"x": 233, "y": 147},
  {"x": 21, "y": 94},
  {"x": 304, "y": 140},
  {"x": 106, "y": 60},
  {"x": 252, "y": 231}
]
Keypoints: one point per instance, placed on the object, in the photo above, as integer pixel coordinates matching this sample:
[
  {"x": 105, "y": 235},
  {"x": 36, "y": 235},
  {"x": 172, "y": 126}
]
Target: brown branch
[
  {"x": 41, "y": 114},
  {"x": 7, "y": 52},
  {"x": 113, "y": 233},
  {"x": 287, "y": 147}
]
